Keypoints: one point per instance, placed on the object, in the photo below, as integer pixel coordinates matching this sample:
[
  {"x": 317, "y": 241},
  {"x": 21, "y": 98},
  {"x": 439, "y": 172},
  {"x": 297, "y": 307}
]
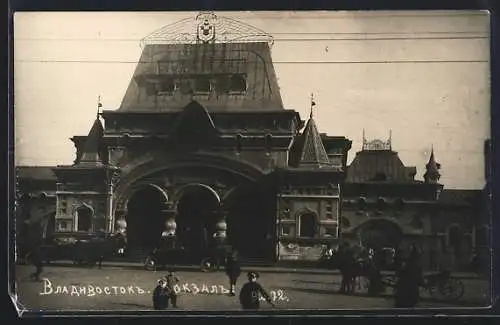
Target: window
[
  {"x": 166, "y": 86},
  {"x": 285, "y": 230},
  {"x": 238, "y": 83},
  {"x": 222, "y": 84},
  {"x": 84, "y": 214},
  {"x": 307, "y": 224},
  {"x": 202, "y": 84},
  {"x": 186, "y": 87}
]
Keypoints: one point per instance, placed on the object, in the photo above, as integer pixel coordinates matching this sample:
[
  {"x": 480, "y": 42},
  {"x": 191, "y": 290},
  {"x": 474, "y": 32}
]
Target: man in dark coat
[
  {"x": 410, "y": 278},
  {"x": 251, "y": 292},
  {"x": 233, "y": 272},
  {"x": 160, "y": 300}
]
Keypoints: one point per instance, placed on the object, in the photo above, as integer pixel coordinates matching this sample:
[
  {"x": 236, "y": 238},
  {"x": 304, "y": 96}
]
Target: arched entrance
[
  {"x": 145, "y": 220},
  {"x": 198, "y": 208},
  {"x": 378, "y": 234},
  {"x": 251, "y": 224},
  {"x": 84, "y": 214}
]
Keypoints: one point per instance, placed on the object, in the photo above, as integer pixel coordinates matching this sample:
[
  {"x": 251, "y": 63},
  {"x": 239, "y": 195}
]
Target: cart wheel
[
  {"x": 150, "y": 264},
  {"x": 453, "y": 289},
  {"x": 207, "y": 265}
]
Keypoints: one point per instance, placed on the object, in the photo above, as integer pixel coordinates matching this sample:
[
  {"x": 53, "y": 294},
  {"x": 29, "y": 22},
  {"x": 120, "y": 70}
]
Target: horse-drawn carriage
[
  {"x": 80, "y": 247},
  {"x": 209, "y": 259},
  {"x": 440, "y": 285}
]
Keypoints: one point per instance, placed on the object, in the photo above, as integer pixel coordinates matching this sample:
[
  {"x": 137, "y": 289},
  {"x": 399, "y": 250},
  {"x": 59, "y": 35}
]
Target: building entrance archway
[
  {"x": 198, "y": 208},
  {"x": 378, "y": 234},
  {"x": 251, "y": 224},
  {"x": 145, "y": 220}
]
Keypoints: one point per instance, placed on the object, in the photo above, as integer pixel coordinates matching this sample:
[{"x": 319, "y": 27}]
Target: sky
[{"x": 422, "y": 75}]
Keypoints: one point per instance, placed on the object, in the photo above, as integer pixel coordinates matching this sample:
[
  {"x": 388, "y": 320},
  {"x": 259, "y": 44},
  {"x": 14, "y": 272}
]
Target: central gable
[{"x": 194, "y": 125}]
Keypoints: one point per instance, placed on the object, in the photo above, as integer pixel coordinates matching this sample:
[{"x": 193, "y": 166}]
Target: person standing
[
  {"x": 410, "y": 278},
  {"x": 160, "y": 295},
  {"x": 233, "y": 271},
  {"x": 171, "y": 280},
  {"x": 251, "y": 292}
]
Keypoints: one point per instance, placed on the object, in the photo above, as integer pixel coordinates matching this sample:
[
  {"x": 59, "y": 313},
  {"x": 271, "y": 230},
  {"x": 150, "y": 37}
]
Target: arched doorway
[
  {"x": 251, "y": 223},
  {"x": 145, "y": 221},
  {"x": 85, "y": 214},
  {"x": 379, "y": 234},
  {"x": 198, "y": 208}
]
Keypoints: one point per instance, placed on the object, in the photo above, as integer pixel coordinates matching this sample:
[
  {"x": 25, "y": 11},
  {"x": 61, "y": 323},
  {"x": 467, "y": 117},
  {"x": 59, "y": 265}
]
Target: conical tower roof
[
  {"x": 432, "y": 169},
  {"x": 313, "y": 151},
  {"x": 90, "y": 155}
]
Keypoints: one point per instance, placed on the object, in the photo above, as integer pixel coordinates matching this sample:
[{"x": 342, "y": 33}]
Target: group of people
[
  {"x": 249, "y": 296},
  {"x": 354, "y": 264}
]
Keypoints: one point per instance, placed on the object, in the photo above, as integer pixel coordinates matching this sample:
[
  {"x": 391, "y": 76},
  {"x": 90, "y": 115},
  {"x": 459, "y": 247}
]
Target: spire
[
  {"x": 99, "y": 105},
  {"x": 313, "y": 103},
  {"x": 432, "y": 174},
  {"x": 90, "y": 155},
  {"x": 313, "y": 151}
]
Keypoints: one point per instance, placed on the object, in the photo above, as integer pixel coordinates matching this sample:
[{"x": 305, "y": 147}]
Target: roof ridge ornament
[{"x": 207, "y": 27}]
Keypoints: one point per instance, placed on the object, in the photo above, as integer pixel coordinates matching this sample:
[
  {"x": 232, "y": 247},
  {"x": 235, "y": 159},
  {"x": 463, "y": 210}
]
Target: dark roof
[
  {"x": 161, "y": 63},
  {"x": 459, "y": 197},
  {"x": 313, "y": 152},
  {"x": 40, "y": 173},
  {"x": 90, "y": 155},
  {"x": 379, "y": 165}
]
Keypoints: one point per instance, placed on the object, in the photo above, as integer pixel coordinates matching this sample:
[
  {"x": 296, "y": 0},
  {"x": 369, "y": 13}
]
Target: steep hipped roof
[
  {"x": 313, "y": 151},
  {"x": 379, "y": 165},
  {"x": 90, "y": 155},
  {"x": 166, "y": 78}
]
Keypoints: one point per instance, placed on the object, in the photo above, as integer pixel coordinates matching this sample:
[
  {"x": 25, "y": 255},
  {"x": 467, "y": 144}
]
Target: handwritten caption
[{"x": 187, "y": 288}]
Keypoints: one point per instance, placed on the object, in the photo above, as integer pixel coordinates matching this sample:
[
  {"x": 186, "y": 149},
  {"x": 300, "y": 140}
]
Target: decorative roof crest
[
  {"x": 205, "y": 28},
  {"x": 376, "y": 144}
]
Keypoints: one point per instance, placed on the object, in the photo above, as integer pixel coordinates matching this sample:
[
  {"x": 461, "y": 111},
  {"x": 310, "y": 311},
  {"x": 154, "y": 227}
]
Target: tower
[{"x": 432, "y": 168}]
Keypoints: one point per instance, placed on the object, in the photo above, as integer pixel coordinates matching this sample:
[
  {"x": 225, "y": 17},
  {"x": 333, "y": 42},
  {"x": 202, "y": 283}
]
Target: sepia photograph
[{"x": 246, "y": 161}]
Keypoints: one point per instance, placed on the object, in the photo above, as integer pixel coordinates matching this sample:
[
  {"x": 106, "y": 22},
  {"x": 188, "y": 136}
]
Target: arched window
[
  {"x": 84, "y": 218},
  {"x": 307, "y": 225}
]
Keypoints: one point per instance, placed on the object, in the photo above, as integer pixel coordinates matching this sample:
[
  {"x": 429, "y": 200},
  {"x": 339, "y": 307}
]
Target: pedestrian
[
  {"x": 160, "y": 295},
  {"x": 410, "y": 278},
  {"x": 251, "y": 292},
  {"x": 171, "y": 280},
  {"x": 233, "y": 271}
]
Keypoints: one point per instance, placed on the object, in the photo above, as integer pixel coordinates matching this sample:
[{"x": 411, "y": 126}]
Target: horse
[
  {"x": 96, "y": 249},
  {"x": 352, "y": 268}
]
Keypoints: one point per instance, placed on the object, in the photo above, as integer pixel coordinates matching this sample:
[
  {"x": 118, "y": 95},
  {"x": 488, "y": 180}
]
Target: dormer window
[
  {"x": 222, "y": 85},
  {"x": 186, "y": 87},
  {"x": 166, "y": 86},
  {"x": 203, "y": 85},
  {"x": 238, "y": 83}
]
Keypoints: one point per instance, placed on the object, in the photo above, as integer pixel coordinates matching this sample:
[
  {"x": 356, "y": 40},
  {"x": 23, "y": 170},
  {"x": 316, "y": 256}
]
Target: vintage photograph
[{"x": 232, "y": 161}]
